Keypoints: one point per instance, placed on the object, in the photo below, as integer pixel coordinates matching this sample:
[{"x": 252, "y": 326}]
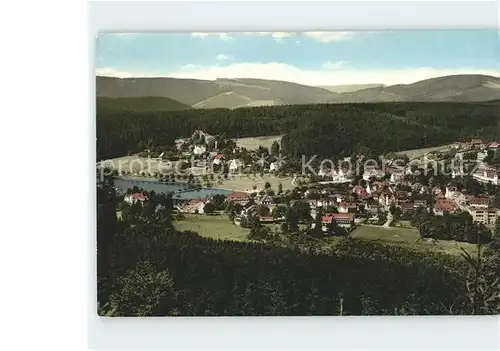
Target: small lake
[
  {"x": 181, "y": 190},
  {"x": 200, "y": 194}
]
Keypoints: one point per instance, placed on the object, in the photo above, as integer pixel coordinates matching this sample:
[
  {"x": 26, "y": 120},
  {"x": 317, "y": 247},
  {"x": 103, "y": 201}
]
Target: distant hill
[
  {"x": 147, "y": 103},
  {"x": 228, "y": 93},
  {"x": 349, "y": 88},
  {"x": 458, "y": 88},
  {"x": 245, "y": 92}
]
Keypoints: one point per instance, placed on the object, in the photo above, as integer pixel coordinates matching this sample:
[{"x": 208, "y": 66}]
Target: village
[
  {"x": 337, "y": 200},
  {"x": 318, "y": 174}
]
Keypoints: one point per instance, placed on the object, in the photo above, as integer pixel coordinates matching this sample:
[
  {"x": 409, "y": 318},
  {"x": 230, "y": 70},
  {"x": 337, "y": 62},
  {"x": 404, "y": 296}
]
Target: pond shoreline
[{"x": 181, "y": 190}]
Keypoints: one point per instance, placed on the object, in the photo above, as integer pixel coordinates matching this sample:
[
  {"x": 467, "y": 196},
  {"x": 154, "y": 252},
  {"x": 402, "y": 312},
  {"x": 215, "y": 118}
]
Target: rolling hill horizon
[{"x": 247, "y": 92}]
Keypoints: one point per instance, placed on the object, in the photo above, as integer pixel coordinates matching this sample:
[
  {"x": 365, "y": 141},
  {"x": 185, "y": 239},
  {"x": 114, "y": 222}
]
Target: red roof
[
  {"x": 480, "y": 200},
  {"x": 494, "y": 145},
  {"x": 360, "y": 190},
  {"x": 237, "y": 195},
  {"x": 337, "y": 216},
  {"x": 347, "y": 204},
  {"x": 139, "y": 196},
  {"x": 218, "y": 156},
  {"x": 326, "y": 219},
  {"x": 446, "y": 205},
  {"x": 349, "y": 216}
]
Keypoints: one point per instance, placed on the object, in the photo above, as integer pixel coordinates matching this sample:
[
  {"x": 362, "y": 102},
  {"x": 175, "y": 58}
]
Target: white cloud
[
  {"x": 111, "y": 72},
  {"x": 190, "y": 67},
  {"x": 329, "y": 74},
  {"x": 277, "y": 35},
  {"x": 222, "y": 36},
  {"x": 322, "y": 37},
  {"x": 327, "y": 37},
  {"x": 329, "y": 65},
  {"x": 281, "y": 35},
  {"x": 223, "y": 57}
]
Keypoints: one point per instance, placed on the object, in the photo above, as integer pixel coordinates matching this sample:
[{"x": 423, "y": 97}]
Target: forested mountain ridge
[
  {"x": 459, "y": 88},
  {"x": 195, "y": 92},
  {"x": 325, "y": 129},
  {"x": 234, "y": 93},
  {"x": 147, "y": 103}
]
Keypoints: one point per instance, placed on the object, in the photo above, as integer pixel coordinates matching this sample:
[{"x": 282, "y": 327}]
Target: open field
[
  {"x": 215, "y": 227},
  {"x": 416, "y": 153},
  {"x": 219, "y": 227},
  {"x": 255, "y": 142},
  {"x": 409, "y": 237}
]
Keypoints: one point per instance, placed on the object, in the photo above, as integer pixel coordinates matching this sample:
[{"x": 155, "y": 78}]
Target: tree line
[
  {"x": 323, "y": 129},
  {"x": 458, "y": 227}
]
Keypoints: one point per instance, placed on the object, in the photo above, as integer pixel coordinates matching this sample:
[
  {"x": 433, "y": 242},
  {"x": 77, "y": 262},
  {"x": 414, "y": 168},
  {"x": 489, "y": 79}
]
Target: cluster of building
[
  {"x": 340, "y": 201},
  {"x": 198, "y": 146},
  {"x": 477, "y": 144},
  {"x": 479, "y": 207},
  {"x": 483, "y": 173}
]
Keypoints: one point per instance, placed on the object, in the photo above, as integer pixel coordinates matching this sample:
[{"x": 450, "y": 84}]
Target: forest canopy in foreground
[{"x": 323, "y": 129}]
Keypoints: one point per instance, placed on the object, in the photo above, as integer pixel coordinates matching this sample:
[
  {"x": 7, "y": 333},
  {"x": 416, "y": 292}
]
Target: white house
[
  {"x": 397, "y": 177},
  {"x": 236, "y": 164},
  {"x": 376, "y": 173},
  {"x": 340, "y": 175},
  {"x": 481, "y": 155},
  {"x": 486, "y": 175},
  {"x": 199, "y": 149},
  {"x": 274, "y": 166},
  {"x": 486, "y": 216}
]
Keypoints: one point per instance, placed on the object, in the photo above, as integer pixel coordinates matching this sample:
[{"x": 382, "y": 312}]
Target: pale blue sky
[{"x": 315, "y": 58}]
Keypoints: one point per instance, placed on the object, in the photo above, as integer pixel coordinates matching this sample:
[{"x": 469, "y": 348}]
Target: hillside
[
  {"x": 148, "y": 103},
  {"x": 349, "y": 88},
  {"x": 234, "y": 93},
  {"x": 212, "y": 94},
  {"x": 224, "y": 100},
  {"x": 460, "y": 88}
]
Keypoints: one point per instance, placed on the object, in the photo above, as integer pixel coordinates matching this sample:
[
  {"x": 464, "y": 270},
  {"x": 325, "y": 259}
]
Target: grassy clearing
[
  {"x": 255, "y": 142},
  {"x": 219, "y": 227},
  {"x": 416, "y": 153},
  {"x": 391, "y": 234},
  {"x": 215, "y": 227},
  {"x": 408, "y": 237}
]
